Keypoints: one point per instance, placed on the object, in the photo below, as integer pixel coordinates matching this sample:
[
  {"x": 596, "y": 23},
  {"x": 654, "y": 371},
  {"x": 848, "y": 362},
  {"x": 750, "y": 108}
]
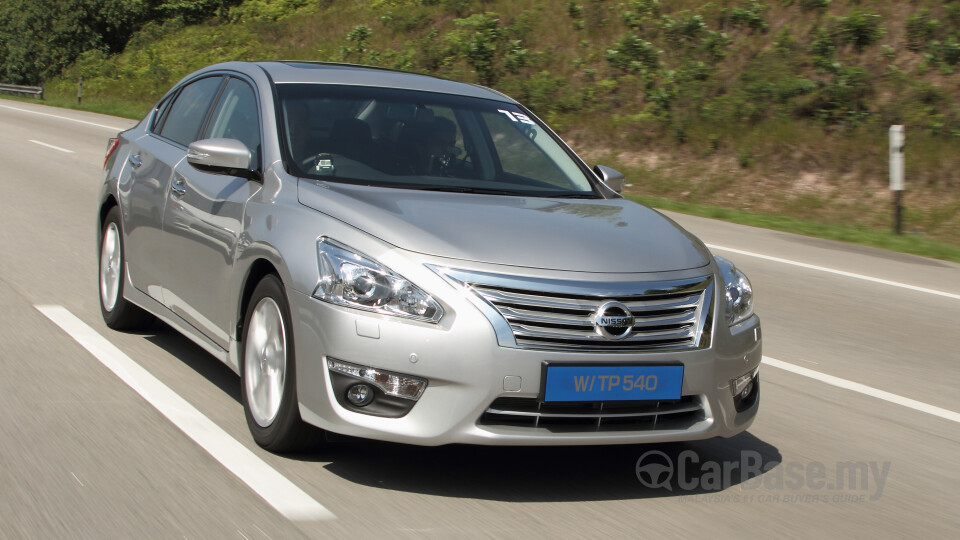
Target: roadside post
[
  {"x": 79, "y": 90},
  {"x": 897, "y": 141}
]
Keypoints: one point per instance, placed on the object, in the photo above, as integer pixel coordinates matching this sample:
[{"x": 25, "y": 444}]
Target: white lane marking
[
  {"x": 77, "y": 479},
  {"x": 837, "y": 272},
  {"x": 276, "y": 489},
  {"x": 261, "y": 532},
  {"x": 63, "y": 118},
  {"x": 863, "y": 389},
  {"x": 51, "y": 146}
]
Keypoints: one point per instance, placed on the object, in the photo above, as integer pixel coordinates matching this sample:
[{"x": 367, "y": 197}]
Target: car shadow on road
[
  {"x": 194, "y": 357},
  {"x": 551, "y": 474}
]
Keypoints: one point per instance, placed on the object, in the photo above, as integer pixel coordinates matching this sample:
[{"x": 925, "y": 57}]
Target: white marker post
[{"x": 897, "y": 141}]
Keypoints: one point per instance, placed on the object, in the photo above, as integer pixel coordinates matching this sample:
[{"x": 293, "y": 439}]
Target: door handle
[
  {"x": 178, "y": 189},
  {"x": 135, "y": 161}
]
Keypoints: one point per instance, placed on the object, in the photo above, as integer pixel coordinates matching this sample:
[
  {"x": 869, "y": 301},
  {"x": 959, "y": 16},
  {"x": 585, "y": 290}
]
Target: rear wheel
[
  {"x": 117, "y": 312},
  {"x": 268, "y": 372}
]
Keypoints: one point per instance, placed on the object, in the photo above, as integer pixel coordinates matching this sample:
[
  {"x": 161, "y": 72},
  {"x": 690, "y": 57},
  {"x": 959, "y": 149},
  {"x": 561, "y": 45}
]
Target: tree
[
  {"x": 38, "y": 38},
  {"x": 482, "y": 45}
]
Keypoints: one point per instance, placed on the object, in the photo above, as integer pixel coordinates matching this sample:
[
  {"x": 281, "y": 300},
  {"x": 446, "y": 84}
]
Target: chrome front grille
[
  {"x": 593, "y": 417},
  {"x": 561, "y": 315}
]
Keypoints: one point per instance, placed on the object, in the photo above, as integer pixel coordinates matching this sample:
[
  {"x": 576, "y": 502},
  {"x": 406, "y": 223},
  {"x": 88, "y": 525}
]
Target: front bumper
[{"x": 468, "y": 371}]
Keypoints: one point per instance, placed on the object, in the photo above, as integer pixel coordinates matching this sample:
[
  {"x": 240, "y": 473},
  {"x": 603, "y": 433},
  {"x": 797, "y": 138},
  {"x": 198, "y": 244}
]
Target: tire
[
  {"x": 117, "y": 311},
  {"x": 268, "y": 372}
]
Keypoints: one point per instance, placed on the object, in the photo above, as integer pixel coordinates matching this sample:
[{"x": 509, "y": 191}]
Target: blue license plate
[{"x": 612, "y": 383}]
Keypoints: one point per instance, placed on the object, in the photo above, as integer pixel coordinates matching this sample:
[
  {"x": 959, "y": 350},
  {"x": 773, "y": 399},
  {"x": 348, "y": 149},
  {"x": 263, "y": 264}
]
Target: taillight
[{"x": 112, "y": 145}]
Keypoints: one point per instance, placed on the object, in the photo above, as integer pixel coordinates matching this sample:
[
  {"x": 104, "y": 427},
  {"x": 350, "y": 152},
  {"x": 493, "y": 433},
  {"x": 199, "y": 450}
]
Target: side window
[
  {"x": 188, "y": 111},
  {"x": 161, "y": 114},
  {"x": 236, "y": 117}
]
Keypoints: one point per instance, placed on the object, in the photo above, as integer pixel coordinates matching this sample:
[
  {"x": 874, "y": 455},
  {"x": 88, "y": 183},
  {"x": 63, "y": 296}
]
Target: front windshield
[{"x": 423, "y": 140}]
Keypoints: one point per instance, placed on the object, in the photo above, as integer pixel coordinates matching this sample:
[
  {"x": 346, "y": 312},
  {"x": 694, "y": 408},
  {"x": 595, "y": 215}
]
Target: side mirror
[
  {"x": 222, "y": 156},
  {"x": 612, "y": 178}
]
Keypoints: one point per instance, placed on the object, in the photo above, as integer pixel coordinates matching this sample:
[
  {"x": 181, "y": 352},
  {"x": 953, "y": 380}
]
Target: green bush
[
  {"x": 920, "y": 29},
  {"x": 405, "y": 23},
  {"x": 860, "y": 29},
  {"x": 640, "y": 12},
  {"x": 715, "y": 45},
  {"x": 482, "y": 45},
  {"x": 843, "y": 99},
  {"x": 193, "y": 11},
  {"x": 633, "y": 54},
  {"x": 950, "y": 52},
  {"x": 516, "y": 57},
  {"x": 540, "y": 91},
  {"x": 460, "y": 8},
  {"x": 785, "y": 41},
  {"x": 750, "y": 16},
  {"x": 265, "y": 10},
  {"x": 358, "y": 36},
  {"x": 953, "y": 16},
  {"x": 810, "y": 5},
  {"x": 684, "y": 29}
]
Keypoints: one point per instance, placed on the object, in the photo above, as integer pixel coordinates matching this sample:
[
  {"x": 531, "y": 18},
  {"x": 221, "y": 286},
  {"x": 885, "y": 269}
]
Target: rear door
[{"x": 151, "y": 161}]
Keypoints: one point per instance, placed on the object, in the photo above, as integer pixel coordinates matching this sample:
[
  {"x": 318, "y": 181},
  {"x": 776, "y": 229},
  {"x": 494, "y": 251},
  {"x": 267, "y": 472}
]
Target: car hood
[{"x": 581, "y": 235}]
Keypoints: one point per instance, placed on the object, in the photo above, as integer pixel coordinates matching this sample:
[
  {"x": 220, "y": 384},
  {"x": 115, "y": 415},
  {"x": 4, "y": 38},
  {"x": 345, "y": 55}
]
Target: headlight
[
  {"x": 739, "y": 292},
  {"x": 350, "y": 279}
]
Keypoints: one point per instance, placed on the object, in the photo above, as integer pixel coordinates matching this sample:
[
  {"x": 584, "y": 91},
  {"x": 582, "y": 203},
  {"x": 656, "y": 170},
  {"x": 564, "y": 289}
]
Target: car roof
[{"x": 287, "y": 72}]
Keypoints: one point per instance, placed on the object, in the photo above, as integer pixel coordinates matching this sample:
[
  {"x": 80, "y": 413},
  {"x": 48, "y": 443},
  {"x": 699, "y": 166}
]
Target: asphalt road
[{"x": 83, "y": 455}]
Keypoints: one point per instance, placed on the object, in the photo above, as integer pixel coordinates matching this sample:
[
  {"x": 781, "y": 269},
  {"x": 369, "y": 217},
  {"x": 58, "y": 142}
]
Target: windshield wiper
[
  {"x": 481, "y": 191},
  {"x": 573, "y": 196}
]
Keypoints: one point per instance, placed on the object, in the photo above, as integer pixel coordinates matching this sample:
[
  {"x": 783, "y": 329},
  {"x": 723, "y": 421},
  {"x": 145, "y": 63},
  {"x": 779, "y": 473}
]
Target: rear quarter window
[{"x": 161, "y": 113}]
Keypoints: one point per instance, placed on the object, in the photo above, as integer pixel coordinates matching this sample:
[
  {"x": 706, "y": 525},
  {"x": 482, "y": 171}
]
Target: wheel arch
[
  {"x": 108, "y": 203},
  {"x": 259, "y": 269}
]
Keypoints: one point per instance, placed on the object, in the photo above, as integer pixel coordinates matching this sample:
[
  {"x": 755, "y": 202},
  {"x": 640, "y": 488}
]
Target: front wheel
[
  {"x": 117, "y": 311},
  {"x": 268, "y": 372}
]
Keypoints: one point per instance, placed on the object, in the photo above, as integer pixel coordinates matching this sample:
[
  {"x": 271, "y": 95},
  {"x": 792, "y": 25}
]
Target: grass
[
  {"x": 134, "y": 110},
  {"x": 915, "y": 245}
]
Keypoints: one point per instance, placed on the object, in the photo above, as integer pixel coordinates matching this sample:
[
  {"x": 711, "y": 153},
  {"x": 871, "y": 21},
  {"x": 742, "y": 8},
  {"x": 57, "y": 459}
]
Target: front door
[{"x": 203, "y": 220}]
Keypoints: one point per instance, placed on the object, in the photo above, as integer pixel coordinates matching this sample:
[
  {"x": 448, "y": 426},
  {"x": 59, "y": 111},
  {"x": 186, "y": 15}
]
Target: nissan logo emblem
[{"x": 613, "y": 320}]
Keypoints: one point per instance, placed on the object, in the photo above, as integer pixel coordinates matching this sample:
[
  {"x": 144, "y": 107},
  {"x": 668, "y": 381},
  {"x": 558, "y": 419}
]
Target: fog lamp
[
  {"x": 360, "y": 394},
  {"x": 391, "y": 384},
  {"x": 743, "y": 385},
  {"x": 746, "y": 390}
]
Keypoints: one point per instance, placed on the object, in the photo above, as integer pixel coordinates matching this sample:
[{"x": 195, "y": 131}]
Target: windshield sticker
[{"x": 517, "y": 117}]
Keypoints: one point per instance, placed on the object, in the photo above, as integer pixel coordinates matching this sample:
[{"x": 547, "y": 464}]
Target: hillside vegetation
[{"x": 770, "y": 106}]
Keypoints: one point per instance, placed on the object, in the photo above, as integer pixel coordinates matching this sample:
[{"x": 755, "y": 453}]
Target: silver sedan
[{"x": 405, "y": 258}]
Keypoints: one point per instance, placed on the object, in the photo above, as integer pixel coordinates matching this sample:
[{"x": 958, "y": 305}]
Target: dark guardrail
[{"x": 17, "y": 89}]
